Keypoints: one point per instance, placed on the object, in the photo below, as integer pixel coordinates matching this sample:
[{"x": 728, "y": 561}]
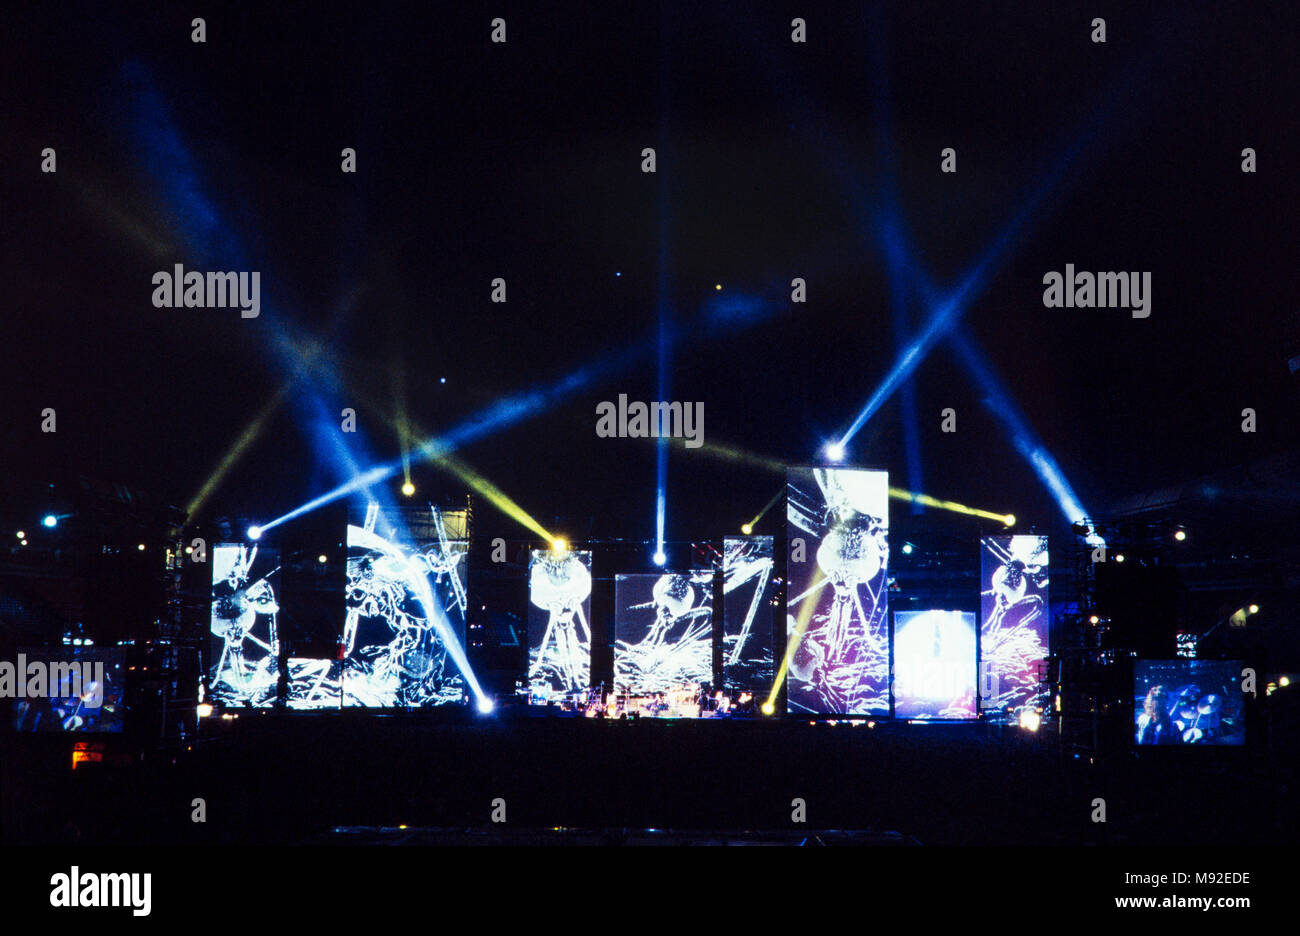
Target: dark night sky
[{"x": 522, "y": 161}]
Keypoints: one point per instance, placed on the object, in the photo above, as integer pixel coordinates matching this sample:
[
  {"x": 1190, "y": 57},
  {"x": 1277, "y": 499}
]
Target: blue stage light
[
  {"x": 486, "y": 705},
  {"x": 834, "y": 451},
  {"x": 660, "y": 558},
  {"x": 50, "y": 521},
  {"x": 255, "y": 532}
]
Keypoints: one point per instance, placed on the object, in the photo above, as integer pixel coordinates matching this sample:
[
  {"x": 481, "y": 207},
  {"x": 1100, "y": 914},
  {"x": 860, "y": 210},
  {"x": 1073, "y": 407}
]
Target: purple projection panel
[
  {"x": 747, "y": 613},
  {"x": 837, "y": 642},
  {"x": 1013, "y": 623},
  {"x": 559, "y": 635}
]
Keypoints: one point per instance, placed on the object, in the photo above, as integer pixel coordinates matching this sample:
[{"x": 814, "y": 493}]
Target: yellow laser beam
[{"x": 801, "y": 625}]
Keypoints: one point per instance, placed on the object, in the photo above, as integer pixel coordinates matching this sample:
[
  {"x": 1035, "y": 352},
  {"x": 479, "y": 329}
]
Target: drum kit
[{"x": 1199, "y": 720}]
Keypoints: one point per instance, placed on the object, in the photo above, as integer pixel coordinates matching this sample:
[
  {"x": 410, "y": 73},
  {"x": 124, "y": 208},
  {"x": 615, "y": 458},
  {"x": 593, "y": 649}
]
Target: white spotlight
[
  {"x": 255, "y": 532},
  {"x": 660, "y": 558},
  {"x": 835, "y": 451},
  {"x": 485, "y": 705}
]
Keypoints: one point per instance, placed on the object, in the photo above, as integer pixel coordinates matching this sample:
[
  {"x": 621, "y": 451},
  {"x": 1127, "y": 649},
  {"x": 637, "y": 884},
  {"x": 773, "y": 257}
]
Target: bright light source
[
  {"x": 660, "y": 558},
  {"x": 50, "y": 521},
  {"x": 408, "y": 489},
  {"x": 322, "y": 558},
  {"x": 717, "y": 286},
  {"x": 1253, "y": 609},
  {"x": 1180, "y": 534},
  {"x": 768, "y": 708},
  {"x": 1284, "y": 681},
  {"x": 140, "y": 546},
  {"x": 559, "y": 545},
  {"x": 22, "y": 542},
  {"x": 747, "y": 528},
  {"x": 485, "y": 705},
  {"x": 203, "y": 710},
  {"x": 907, "y": 549},
  {"x": 188, "y": 550},
  {"x": 255, "y": 532},
  {"x": 22, "y": 535},
  {"x": 1119, "y": 557},
  {"x": 1009, "y": 520},
  {"x": 1030, "y": 719},
  {"x": 1094, "y": 620},
  {"x": 834, "y": 451}
]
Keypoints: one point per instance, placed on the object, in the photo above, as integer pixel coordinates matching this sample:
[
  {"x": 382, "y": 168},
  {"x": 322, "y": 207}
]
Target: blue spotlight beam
[{"x": 167, "y": 159}]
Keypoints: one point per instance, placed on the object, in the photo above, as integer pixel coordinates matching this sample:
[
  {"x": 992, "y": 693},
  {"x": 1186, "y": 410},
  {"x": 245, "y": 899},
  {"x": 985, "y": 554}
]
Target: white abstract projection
[
  {"x": 405, "y": 601},
  {"x": 664, "y": 632},
  {"x": 559, "y": 635},
  {"x": 243, "y": 624}
]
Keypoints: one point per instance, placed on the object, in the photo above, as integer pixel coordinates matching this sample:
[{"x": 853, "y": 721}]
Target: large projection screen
[
  {"x": 1188, "y": 702},
  {"x": 748, "y": 592},
  {"x": 405, "y": 608},
  {"x": 837, "y": 627},
  {"x": 559, "y": 624},
  {"x": 245, "y": 645},
  {"x": 934, "y": 664},
  {"x": 663, "y": 630},
  {"x": 1013, "y": 623}
]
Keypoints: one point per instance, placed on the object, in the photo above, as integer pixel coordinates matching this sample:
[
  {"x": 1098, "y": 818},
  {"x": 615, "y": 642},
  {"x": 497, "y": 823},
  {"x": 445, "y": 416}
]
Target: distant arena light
[{"x": 1030, "y": 720}]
